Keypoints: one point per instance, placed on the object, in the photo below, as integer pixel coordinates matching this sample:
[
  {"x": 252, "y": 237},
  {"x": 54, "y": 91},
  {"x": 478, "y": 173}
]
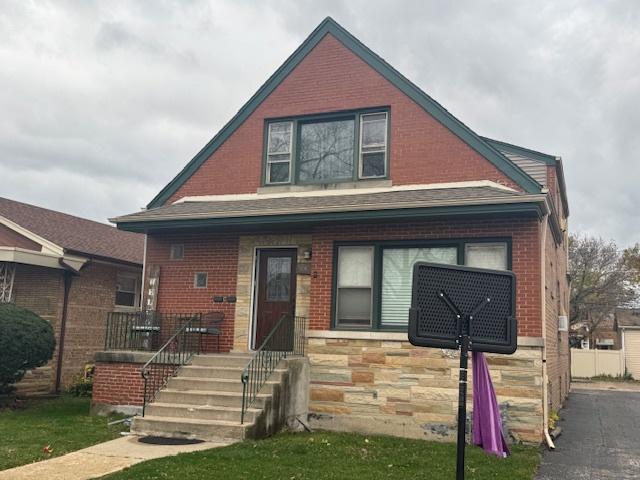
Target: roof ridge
[
  {"x": 56, "y": 212},
  {"x": 387, "y": 71}
]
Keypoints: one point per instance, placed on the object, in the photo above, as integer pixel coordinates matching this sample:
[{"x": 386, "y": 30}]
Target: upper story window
[{"x": 327, "y": 149}]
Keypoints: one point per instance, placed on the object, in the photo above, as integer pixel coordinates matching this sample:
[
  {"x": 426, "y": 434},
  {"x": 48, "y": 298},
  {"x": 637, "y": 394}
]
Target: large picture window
[
  {"x": 374, "y": 281},
  {"x": 327, "y": 149},
  {"x": 397, "y": 273}
]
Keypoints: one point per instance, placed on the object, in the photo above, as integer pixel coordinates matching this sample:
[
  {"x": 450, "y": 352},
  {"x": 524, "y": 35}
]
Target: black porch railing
[
  {"x": 148, "y": 331},
  {"x": 176, "y": 351},
  {"x": 286, "y": 339}
]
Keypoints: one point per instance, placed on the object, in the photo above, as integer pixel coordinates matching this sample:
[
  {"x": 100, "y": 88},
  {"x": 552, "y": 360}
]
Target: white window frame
[
  {"x": 136, "y": 292},
  {"x": 269, "y": 155},
  {"x": 381, "y": 147}
]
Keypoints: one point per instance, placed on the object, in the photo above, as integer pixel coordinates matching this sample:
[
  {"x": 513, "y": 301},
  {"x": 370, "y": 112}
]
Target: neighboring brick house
[
  {"x": 319, "y": 196},
  {"x": 70, "y": 271}
]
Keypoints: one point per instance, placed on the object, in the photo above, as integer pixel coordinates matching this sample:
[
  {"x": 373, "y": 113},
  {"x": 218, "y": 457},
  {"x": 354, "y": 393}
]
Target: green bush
[
  {"x": 26, "y": 342},
  {"x": 82, "y": 383}
]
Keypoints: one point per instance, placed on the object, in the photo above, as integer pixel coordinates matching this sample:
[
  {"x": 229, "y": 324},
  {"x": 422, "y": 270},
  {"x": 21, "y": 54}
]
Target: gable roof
[
  {"x": 74, "y": 234},
  {"x": 330, "y": 26},
  {"x": 627, "y": 317}
]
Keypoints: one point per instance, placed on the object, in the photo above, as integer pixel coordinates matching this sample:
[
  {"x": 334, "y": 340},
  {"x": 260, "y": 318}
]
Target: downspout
[
  {"x": 68, "y": 274},
  {"x": 545, "y": 379},
  {"x": 68, "y": 278}
]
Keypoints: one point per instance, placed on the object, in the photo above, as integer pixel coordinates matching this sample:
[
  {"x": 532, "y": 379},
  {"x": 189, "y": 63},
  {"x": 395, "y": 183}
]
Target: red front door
[{"x": 276, "y": 289}]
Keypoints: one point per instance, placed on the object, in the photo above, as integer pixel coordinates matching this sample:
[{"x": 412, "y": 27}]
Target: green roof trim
[
  {"x": 330, "y": 26},
  {"x": 550, "y": 160},
  {"x": 537, "y": 209}
]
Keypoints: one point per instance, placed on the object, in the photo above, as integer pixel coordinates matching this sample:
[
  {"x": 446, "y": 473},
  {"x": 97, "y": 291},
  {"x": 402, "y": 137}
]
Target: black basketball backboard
[{"x": 444, "y": 297}]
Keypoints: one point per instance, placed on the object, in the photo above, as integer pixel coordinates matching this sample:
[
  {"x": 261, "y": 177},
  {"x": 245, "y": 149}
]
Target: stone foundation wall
[{"x": 376, "y": 382}]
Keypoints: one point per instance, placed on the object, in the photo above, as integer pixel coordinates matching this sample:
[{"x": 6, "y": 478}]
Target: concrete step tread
[
  {"x": 191, "y": 421},
  {"x": 211, "y": 392},
  {"x": 190, "y": 406},
  {"x": 224, "y": 367},
  {"x": 224, "y": 355},
  {"x": 230, "y": 381}
]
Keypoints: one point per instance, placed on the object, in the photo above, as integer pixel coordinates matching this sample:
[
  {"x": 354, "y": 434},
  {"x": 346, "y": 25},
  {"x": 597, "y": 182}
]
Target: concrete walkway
[
  {"x": 101, "y": 459},
  {"x": 600, "y": 438}
]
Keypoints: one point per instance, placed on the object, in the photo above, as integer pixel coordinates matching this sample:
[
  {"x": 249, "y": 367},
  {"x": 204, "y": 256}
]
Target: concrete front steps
[{"x": 204, "y": 401}]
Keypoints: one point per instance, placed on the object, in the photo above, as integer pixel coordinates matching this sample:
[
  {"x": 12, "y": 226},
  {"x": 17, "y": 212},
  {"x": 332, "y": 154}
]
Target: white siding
[{"x": 632, "y": 352}]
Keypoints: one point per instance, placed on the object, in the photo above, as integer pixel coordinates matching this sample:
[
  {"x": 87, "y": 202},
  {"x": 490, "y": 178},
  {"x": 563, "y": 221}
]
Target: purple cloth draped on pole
[{"x": 487, "y": 424}]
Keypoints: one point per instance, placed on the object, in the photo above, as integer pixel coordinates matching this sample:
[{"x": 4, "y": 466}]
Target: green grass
[
  {"x": 63, "y": 423},
  {"x": 322, "y": 456}
]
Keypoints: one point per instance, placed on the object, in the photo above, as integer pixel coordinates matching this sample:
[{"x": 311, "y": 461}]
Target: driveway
[{"x": 600, "y": 438}]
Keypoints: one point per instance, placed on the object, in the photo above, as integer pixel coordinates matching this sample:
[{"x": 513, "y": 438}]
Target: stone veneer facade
[
  {"x": 379, "y": 383},
  {"x": 246, "y": 267}
]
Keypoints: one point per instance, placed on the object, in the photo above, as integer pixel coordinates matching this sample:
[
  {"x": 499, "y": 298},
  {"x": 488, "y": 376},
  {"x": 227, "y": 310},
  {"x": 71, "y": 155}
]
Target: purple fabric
[{"x": 487, "y": 424}]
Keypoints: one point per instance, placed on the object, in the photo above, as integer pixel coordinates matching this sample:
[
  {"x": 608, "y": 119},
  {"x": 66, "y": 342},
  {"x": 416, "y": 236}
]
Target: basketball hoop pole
[
  {"x": 462, "y": 397},
  {"x": 464, "y": 341}
]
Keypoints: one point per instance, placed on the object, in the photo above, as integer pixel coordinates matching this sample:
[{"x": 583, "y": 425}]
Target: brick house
[
  {"x": 70, "y": 271},
  {"x": 316, "y": 199}
]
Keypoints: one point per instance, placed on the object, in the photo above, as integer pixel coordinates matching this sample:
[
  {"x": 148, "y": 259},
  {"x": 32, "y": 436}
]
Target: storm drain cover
[{"x": 151, "y": 440}]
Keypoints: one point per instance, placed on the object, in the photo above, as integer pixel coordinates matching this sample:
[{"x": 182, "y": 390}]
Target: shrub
[
  {"x": 26, "y": 342},
  {"x": 82, "y": 383}
]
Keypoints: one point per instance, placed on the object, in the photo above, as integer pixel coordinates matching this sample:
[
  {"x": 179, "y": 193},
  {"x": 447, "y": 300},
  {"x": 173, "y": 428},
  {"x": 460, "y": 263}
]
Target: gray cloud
[{"x": 103, "y": 102}]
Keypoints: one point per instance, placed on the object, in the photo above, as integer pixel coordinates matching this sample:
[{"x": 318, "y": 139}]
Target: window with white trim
[
  {"x": 279, "y": 146},
  {"x": 373, "y": 145},
  {"x": 354, "y": 286}
]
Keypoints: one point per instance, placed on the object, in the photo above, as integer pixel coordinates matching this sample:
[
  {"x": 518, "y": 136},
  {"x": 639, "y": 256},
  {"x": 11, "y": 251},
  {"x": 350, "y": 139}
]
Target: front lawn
[
  {"x": 63, "y": 424},
  {"x": 323, "y": 455}
]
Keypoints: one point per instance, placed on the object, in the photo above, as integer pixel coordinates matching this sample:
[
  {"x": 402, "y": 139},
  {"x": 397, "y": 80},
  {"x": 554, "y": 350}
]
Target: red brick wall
[
  {"x": 525, "y": 247},
  {"x": 118, "y": 384},
  {"x": 91, "y": 297},
  {"x": 9, "y": 238},
  {"x": 329, "y": 79},
  {"x": 214, "y": 254}
]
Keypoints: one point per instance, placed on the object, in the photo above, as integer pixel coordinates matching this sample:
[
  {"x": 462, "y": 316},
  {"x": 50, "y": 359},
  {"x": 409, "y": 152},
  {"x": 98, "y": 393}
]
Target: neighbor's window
[
  {"x": 373, "y": 145},
  {"x": 326, "y": 151},
  {"x": 354, "y": 286},
  {"x": 176, "y": 252},
  {"x": 127, "y": 293},
  {"x": 200, "y": 280},
  {"x": 279, "y": 152},
  {"x": 397, "y": 275},
  {"x": 486, "y": 255}
]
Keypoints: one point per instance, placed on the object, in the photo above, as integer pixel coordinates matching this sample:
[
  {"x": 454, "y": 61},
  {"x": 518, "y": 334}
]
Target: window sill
[
  {"x": 395, "y": 336},
  {"x": 373, "y": 183}
]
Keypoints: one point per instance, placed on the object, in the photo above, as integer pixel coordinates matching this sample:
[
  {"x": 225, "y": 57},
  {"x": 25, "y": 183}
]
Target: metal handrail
[
  {"x": 285, "y": 339},
  {"x": 176, "y": 351}
]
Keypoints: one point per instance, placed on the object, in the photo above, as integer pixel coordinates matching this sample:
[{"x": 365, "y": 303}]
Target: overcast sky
[{"x": 102, "y": 103}]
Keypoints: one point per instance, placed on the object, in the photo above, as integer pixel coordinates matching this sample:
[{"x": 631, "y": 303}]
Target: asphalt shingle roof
[
  {"x": 283, "y": 205},
  {"x": 75, "y": 234}
]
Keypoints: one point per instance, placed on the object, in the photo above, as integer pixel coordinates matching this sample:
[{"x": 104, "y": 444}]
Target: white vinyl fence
[{"x": 591, "y": 363}]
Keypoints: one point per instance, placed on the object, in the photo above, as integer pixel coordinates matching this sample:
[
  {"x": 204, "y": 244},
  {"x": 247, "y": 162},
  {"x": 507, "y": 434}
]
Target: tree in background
[
  {"x": 631, "y": 258},
  {"x": 601, "y": 280},
  {"x": 26, "y": 342}
]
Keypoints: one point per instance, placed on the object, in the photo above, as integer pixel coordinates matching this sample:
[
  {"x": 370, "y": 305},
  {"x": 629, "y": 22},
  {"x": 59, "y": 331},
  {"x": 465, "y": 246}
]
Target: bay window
[
  {"x": 327, "y": 149},
  {"x": 373, "y": 281}
]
